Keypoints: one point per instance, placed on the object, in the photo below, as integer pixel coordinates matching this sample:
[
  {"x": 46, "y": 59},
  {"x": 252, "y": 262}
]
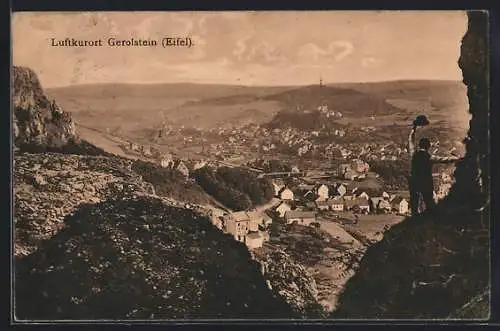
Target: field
[
  {"x": 369, "y": 225},
  {"x": 219, "y": 115},
  {"x": 101, "y": 139}
]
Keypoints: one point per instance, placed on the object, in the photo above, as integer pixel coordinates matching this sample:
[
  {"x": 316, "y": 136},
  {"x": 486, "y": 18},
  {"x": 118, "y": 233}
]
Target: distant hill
[
  {"x": 228, "y": 100},
  {"x": 440, "y": 93},
  {"x": 135, "y": 109},
  {"x": 300, "y": 107},
  {"x": 347, "y": 101},
  {"x": 248, "y": 116},
  {"x": 443, "y": 101},
  {"x": 170, "y": 90}
]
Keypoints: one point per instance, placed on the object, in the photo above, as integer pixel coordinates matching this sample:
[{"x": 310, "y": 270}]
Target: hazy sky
[{"x": 265, "y": 48}]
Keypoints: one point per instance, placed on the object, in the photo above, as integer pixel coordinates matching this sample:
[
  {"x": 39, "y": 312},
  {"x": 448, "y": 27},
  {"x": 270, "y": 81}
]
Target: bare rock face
[
  {"x": 472, "y": 185},
  {"x": 37, "y": 120}
]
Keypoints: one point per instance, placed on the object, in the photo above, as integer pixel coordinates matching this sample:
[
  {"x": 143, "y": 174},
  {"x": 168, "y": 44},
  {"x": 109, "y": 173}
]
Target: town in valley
[
  {"x": 313, "y": 170},
  {"x": 316, "y": 177}
]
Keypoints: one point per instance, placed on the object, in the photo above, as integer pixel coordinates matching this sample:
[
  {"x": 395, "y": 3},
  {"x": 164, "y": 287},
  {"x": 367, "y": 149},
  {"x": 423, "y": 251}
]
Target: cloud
[
  {"x": 310, "y": 52},
  {"x": 369, "y": 62},
  {"x": 336, "y": 50},
  {"x": 241, "y": 47},
  {"x": 341, "y": 49},
  {"x": 198, "y": 52},
  {"x": 264, "y": 53},
  {"x": 216, "y": 71}
]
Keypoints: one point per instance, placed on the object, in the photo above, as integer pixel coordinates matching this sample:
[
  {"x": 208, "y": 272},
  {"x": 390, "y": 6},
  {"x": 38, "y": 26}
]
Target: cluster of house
[
  {"x": 356, "y": 170},
  {"x": 323, "y": 197},
  {"x": 307, "y": 142},
  {"x": 163, "y": 159},
  {"x": 248, "y": 227},
  {"x": 167, "y": 161},
  {"x": 260, "y": 139},
  {"x": 328, "y": 112}
]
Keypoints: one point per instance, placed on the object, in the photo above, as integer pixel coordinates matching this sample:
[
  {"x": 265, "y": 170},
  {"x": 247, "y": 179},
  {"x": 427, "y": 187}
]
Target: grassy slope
[
  {"x": 170, "y": 183},
  {"x": 349, "y": 101}
]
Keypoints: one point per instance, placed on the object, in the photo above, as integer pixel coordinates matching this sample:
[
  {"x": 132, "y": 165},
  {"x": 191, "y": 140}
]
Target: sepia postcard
[{"x": 284, "y": 165}]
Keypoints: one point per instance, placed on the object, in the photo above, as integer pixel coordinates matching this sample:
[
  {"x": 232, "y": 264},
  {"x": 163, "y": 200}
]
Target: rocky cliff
[
  {"x": 37, "y": 120},
  {"x": 438, "y": 266},
  {"x": 472, "y": 186},
  {"x": 39, "y": 124}
]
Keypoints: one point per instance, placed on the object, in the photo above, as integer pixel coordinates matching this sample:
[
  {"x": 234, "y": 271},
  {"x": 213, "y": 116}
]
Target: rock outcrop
[
  {"x": 37, "y": 120},
  {"x": 472, "y": 174},
  {"x": 39, "y": 124}
]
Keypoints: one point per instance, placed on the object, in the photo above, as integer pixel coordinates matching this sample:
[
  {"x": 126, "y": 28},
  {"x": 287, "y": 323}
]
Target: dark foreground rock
[
  {"x": 425, "y": 267},
  {"x": 139, "y": 258}
]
